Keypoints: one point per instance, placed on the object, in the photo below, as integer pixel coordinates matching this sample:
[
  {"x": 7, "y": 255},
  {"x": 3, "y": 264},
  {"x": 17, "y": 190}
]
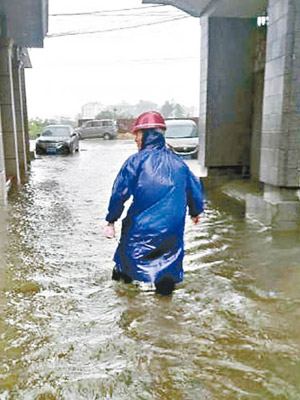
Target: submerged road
[{"x": 67, "y": 331}]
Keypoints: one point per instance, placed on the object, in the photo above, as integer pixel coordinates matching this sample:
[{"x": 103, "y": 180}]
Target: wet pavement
[{"x": 230, "y": 331}]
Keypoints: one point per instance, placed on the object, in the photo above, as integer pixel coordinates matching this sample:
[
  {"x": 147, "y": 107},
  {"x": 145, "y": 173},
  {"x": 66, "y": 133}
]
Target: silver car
[
  {"x": 57, "y": 139},
  {"x": 98, "y": 128},
  {"x": 182, "y": 137}
]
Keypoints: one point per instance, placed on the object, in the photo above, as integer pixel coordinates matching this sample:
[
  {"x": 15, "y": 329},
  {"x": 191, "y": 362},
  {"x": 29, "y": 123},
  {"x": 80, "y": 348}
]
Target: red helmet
[{"x": 148, "y": 120}]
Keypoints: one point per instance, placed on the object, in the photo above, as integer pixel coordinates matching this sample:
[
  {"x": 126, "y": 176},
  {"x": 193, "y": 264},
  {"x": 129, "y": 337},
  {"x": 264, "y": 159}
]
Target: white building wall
[{"x": 90, "y": 110}]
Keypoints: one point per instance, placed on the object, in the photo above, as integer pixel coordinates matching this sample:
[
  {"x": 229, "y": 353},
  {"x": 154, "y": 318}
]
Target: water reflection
[{"x": 231, "y": 330}]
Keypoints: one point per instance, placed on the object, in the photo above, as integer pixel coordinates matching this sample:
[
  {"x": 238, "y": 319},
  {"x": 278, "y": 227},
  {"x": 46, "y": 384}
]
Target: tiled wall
[{"x": 280, "y": 155}]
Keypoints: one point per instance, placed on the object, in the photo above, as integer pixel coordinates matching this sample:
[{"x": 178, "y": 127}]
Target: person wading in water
[{"x": 151, "y": 246}]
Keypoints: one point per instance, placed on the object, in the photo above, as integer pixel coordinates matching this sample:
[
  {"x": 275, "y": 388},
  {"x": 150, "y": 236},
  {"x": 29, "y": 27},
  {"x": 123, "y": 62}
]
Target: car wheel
[
  {"x": 66, "y": 150},
  {"x": 106, "y": 136}
]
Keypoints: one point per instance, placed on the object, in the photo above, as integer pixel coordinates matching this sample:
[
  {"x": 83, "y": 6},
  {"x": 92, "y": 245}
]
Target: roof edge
[{"x": 177, "y": 3}]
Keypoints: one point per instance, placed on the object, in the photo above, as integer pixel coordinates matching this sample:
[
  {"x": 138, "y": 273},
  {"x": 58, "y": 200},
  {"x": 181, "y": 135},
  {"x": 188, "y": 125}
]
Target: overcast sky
[{"x": 155, "y": 61}]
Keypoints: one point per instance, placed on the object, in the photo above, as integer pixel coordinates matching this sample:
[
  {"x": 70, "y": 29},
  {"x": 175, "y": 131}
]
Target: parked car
[
  {"x": 182, "y": 137},
  {"x": 98, "y": 128},
  {"x": 57, "y": 139}
]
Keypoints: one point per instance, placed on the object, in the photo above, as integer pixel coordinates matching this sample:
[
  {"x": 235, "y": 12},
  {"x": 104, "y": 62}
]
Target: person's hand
[
  {"x": 195, "y": 219},
  {"x": 109, "y": 231}
]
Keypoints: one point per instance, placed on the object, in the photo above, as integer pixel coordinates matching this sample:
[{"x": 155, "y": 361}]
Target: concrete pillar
[
  {"x": 280, "y": 153},
  {"x": 2, "y": 170},
  {"x": 25, "y": 116},
  {"x": 256, "y": 125},
  {"x": 18, "y": 98},
  {"x": 280, "y": 148},
  {"x": 226, "y": 93},
  {"x": 3, "y": 263},
  {"x": 8, "y": 117},
  {"x": 258, "y": 90}
]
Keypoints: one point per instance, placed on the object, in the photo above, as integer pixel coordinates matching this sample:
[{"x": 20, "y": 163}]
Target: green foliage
[
  {"x": 145, "y": 105},
  {"x": 179, "y": 111},
  {"x": 111, "y": 114},
  {"x": 167, "y": 109},
  {"x": 170, "y": 109},
  {"x": 35, "y": 127},
  {"x": 106, "y": 114}
]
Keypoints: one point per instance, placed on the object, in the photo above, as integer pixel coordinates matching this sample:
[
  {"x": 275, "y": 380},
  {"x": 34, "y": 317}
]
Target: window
[
  {"x": 181, "y": 130},
  {"x": 57, "y": 131},
  {"x": 107, "y": 123},
  {"x": 97, "y": 123}
]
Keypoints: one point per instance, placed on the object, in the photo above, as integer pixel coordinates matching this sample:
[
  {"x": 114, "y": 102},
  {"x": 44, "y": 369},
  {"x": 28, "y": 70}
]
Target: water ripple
[{"x": 230, "y": 331}]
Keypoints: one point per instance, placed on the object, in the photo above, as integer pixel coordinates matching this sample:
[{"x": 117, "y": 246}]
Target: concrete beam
[
  {"x": 26, "y": 21},
  {"x": 217, "y": 8}
]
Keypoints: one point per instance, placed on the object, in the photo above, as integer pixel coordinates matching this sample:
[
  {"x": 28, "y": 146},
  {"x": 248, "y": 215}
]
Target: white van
[{"x": 182, "y": 137}]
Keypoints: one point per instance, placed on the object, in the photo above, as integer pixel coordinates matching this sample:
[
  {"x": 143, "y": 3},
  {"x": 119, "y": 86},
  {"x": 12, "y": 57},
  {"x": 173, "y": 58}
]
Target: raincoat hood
[{"x": 153, "y": 139}]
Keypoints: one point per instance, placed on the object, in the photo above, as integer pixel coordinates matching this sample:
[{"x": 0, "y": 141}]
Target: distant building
[{"x": 90, "y": 110}]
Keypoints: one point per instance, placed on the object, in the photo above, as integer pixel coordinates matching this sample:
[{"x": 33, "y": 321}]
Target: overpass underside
[
  {"x": 22, "y": 24},
  {"x": 250, "y": 99}
]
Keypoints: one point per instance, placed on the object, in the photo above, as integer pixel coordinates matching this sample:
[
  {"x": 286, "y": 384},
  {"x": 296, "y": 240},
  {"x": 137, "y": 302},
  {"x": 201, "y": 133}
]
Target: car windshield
[
  {"x": 56, "y": 131},
  {"x": 181, "y": 131}
]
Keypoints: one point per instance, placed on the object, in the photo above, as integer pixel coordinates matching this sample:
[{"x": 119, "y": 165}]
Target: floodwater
[{"x": 67, "y": 331}]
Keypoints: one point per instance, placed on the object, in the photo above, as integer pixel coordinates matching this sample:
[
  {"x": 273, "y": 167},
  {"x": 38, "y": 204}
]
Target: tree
[
  {"x": 170, "y": 109},
  {"x": 36, "y": 126},
  {"x": 143, "y": 106},
  {"x": 111, "y": 114},
  {"x": 179, "y": 111},
  {"x": 167, "y": 109},
  {"x": 106, "y": 114}
]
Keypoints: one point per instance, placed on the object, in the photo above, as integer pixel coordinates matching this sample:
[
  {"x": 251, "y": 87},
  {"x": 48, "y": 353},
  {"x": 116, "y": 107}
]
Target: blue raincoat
[{"x": 162, "y": 186}]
